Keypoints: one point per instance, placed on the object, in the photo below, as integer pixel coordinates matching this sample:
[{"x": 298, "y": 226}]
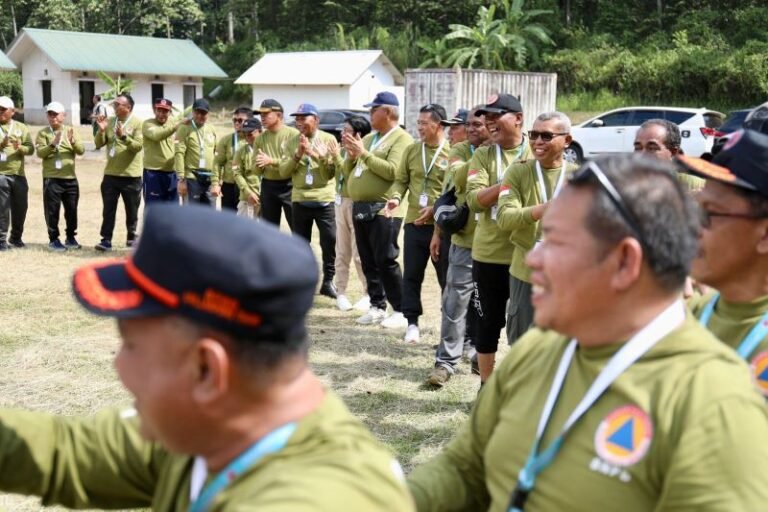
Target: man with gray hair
[
  {"x": 526, "y": 190},
  {"x": 660, "y": 138}
]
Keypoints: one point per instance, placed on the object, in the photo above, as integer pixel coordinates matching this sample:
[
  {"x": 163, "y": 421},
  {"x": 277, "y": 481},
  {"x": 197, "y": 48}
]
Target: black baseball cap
[
  {"x": 743, "y": 162},
  {"x": 243, "y": 278},
  {"x": 201, "y": 104},
  {"x": 250, "y": 125},
  {"x": 435, "y": 108},
  {"x": 500, "y": 104},
  {"x": 270, "y": 105},
  {"x": 459, "y": 118}
]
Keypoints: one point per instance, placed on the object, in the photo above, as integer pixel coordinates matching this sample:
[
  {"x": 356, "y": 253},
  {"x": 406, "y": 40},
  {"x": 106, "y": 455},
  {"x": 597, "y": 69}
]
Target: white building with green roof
[{"x": 63, "y": 66}]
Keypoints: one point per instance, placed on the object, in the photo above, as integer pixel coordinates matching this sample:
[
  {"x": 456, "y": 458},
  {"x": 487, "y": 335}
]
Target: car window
[
  {"x": 712, "y": 120},
  {"x": 331, "y": 118},
  {"x": 676, "y": 116},
  {"x": 617, "y": 118},
  {"x": 641, "y": 116},
  {"x": 734, "y": 121}
]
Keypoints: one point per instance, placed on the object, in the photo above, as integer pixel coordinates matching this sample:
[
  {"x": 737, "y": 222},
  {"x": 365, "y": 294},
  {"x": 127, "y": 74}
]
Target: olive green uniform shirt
[
  {"x": 339, "y": 161},
  {"x": 331, "y": 463},
  {"x": 159, "y": 142},
  {"x": 411, "y": 173},
  {"x": 274, "y": 145},
  {"x": 458, "y": 160},
  {"x": 370, "y": 177},
  {"x": 125, "y": 156},
  {"x": 519, "y": 194},
  {"x": 690, "y": 182},
  {"x": 13, "y": 162},
  {"x": 312, "y": 177},
  {"x": 682, "y": 429},
  {"x": 731, "y": 323},
  {"x": 64, "y": 152},
  {"x": 225, "y": 158},
  {"x": 491, "y": 244},
  {"x": 247, "y": 179},
  {"x": 189, "y": 150}
]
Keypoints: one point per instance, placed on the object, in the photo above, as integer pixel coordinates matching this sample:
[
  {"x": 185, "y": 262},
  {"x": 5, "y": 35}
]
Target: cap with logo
[
  {"x": 383, "y": 98},
  {"x": 500, "y": 104},
  {"x": 6, "y": 102},
  {"x": 270, "y": 105},
  {"x": 248, "y": 279},
  {"x": 250, "y": 125},
  {"x": 201, "y": 104},
  {"x": 163, "y": 103},
  {"x": 439, "y": 110},
  {"x": 743, "y": 162},
  {"x": 459, "y": 118},
  {"x": 55, "y": 107},
  {"x": 449, "y": 217},
  {"x": 306, "y": 109}
]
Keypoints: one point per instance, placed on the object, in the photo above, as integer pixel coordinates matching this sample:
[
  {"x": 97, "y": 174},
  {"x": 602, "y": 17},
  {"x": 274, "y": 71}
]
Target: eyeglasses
[
  {"x": 707, "y": 215},
  {"x": 237, "y": 120},
  {"x": 545, "y": 136},
  {"x": 582, "y": 175},
  {"x": 3, "y": 109}
]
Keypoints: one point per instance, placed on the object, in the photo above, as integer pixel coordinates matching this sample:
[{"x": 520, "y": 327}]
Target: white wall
[
  {"x": 36, "y": 68},
  {"x": 291, "y": 96},
  {"x": 377, "y": 78}
]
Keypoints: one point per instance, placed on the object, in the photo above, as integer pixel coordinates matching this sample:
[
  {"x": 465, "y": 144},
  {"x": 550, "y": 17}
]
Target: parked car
[
  {"x": 614, "y": 131},
  {"x": 332, "y": 120},
  {"x": 734, "y": 121},
  {"x": 757, "y": 119}
]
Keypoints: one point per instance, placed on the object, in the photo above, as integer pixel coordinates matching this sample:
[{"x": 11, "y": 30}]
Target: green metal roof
[
  {"x": 85, "y": 51},
  {"x": 5, "y": 62}
]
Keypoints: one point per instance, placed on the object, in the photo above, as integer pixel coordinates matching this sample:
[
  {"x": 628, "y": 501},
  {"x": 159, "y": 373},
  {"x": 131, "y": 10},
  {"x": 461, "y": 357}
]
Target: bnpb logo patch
[
  {"x": 760, "y": 372},
  {"x": 624, "y": 436}
]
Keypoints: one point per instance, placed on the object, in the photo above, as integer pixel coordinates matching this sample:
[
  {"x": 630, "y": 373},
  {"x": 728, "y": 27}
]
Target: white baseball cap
[
  {"x": 6, "y": 102},
  {"x": 55, "y": 106}
]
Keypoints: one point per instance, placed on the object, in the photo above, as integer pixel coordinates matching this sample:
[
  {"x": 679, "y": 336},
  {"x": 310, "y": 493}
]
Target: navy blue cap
[
  {"x": 459, "y": 118},
  {"x": 250, "y": 125},
  {"x": 501, "y": 104},
  {"x": 241, "y": 277},
  {"x": 201, "y": 104},
  {"x": 383, "y": 98},
  {"x": 306, "y": 109}
]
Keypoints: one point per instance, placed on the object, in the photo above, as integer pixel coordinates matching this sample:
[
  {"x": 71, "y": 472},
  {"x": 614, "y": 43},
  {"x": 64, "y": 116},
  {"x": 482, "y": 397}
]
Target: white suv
[{"x": 614, "y": 131}]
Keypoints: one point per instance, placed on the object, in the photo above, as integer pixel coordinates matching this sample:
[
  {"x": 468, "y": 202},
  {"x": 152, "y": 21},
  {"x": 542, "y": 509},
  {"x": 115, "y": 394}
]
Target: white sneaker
[
  {"x": 363, "y": 304},
  {"x": 373, "y": 316},
  {"x": 395, "y": 321},
  {"x": 342, "y": 302},
  {"x": 412, "y": 334}
]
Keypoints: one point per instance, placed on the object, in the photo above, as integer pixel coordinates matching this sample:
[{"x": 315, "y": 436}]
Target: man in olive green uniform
[
  {"x": 160, "y": 182},
  {"x": 733, "y": 253},
  {"x": 491, "y": 250},
  {"x": 459, "y": 318},
  {"x": 621, "y": 400},
  {"x": 123, "y": 137},
  {"x": 224, "y": 162},
  {"x": 660, "y": 138},
  {"x": 269, "y": 149},
  {"x": 369, "y": 171},
  {"x": 194, "y": 157},
  {"x": 15, "y": 144},
  {"x": 526, "y": 191},
  {"x": 421, "y": 172},
  {"x": 228, "y": 414},
  {"x": 244, "y": 167},
  {"x": 308, "y": 163},
  {"x": 57, "y": 147}
]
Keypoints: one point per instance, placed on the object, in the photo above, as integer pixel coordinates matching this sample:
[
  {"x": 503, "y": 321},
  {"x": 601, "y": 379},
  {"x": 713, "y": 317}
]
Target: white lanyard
[
  {"x": 114, "y": 128},
  {"x": 378, "y": 141},
  {"x": 200, "y": 139},
  {"x": 543, "y": 186},
  {"x": 501, "y": 171},
  {"x": 427, "y": 170},
  {"x": 3, "y": 133},
  {"x": 54, "y": 136}
]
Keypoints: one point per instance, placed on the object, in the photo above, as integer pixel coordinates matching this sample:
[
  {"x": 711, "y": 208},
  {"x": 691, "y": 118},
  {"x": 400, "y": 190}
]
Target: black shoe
[
  {"x": 17, "y": 243},
  {"x": 4, "y": 246},
  {"x": 104, "y": 246},
  {"x": 72, "y": 243},
  {"x": 56, "y": 246},
  {"x": 328, "y": 289}
]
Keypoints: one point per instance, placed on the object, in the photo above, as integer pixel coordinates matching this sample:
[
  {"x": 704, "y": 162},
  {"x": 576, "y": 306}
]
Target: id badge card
[
  {"x": 494, "y": 210},
  {"x": 3, "y": 157},
  {"x": 112, "y": 152},
  {"x": 201, "y": 163},
  {"x": 477, "y": 216},
  {"x": 423, "y": 201},
  {"x": 338, "y": 200},
  {"x": 57, "y": 164},
  {"x": 358, "y": 171},
  {"x": 309, "y": 179}
]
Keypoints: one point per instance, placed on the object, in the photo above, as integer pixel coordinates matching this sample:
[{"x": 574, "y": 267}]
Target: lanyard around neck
[
  {"x": 267, "y": 445},
  {"x": 114, "y": 128},
  {"x": 753, "y": 337},
  {"x": 428, "y": 170},
  {"x": 543, "y": 186},
  {"x": 53, "y": 132},
  {"x": 199, "y": 138},
  {"x": 3, "y": 133},
  {"x": 501, "y": 169},
  {"x": 627, "y": 355},
  {"x": 376, "y": 141}
]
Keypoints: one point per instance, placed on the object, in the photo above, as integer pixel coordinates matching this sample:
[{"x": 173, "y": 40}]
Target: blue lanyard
[
  {"x": 271, "y": 443},
  {"x": 753, "y": 338},
  {"x": 632, "y": 350}
]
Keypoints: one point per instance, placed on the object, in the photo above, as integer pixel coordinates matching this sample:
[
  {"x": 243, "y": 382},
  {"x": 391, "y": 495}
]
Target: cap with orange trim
[
  {"x": 743, "y": 162},
  {"x": 244, "y": 278}
]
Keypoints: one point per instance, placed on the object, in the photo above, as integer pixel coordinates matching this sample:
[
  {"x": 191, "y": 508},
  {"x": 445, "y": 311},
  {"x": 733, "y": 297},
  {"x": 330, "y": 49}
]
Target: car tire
[{"x": 574, "y": 153}]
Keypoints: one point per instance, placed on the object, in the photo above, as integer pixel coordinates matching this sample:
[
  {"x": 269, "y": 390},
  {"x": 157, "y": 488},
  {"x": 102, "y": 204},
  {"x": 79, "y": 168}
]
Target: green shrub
[{"x": 10, "y": 85}]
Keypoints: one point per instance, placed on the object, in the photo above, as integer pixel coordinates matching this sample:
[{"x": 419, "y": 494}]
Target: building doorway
[
  {"x": 158, "y": 92},
  {"x": 189, "y": 95},
  {"x": 87, "y": 89}
]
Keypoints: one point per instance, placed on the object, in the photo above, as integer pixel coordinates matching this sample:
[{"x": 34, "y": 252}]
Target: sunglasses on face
[
  {"x": 545, "y": 136},
  {"x": 237, "y": 120}
]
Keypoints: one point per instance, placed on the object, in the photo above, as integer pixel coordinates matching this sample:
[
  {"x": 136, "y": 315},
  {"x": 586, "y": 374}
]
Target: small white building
[
  {"x": 5, "y": 63},
  {"x": 62, "y": 66},
  {"x": 332, "y": 79}
]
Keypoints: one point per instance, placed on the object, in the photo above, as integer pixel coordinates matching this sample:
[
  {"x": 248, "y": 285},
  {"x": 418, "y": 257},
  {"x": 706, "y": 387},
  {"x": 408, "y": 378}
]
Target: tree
[
  {"x": 116, "y": 86},
  {"x": 438, "y": 53}
]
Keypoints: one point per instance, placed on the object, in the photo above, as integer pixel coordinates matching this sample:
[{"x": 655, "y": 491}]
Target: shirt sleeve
[
  {"x": 512, "y": 215},
  {"x": 43, "y": 145},
  {"x": 179, "y": 157},
  {"x": 402, "y": 177},
  {"x": 156, "y": 133},
  {"x": 477, "y": 179}
]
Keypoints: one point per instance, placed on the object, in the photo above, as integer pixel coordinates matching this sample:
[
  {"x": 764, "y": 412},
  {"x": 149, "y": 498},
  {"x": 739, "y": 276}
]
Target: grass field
[{"x": 54, "y": 357}]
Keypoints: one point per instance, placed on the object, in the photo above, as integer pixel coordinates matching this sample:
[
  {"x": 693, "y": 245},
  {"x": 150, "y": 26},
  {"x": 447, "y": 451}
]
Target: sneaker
[
  {"x": 342, "y": 302},
  {"x": 363, "y": 304},
  {"x": 373, "y": 316},
  {"x": 17, "y": 244},
  {"x": 72, "y": 243},
  {"x": 439, "y": 376},
  {"x": 56, "y": 246},
  {"x": 328, "y": 289},
  {"x": 475, "y": 367},
  {"x": 4, "y": 246},
  {"x": 395, "y": 321},
  {"x": 412, "y": 334},
  {"x": 104, "y": 246}
]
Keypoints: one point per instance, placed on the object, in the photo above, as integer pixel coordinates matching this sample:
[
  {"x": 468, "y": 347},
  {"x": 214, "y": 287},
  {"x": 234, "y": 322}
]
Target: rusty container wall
[{"x": 455, "y": 88}]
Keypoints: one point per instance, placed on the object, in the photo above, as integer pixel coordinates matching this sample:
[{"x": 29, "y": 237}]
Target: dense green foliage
[{"x": 685, "y": 51}]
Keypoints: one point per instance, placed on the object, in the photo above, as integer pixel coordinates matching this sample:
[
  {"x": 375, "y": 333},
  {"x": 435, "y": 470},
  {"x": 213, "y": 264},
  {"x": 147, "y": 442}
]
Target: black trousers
[
  {"x": 14, "y": 193},
  {"x": 276, "y": 197},
  {"x": 113, "y": 188},
  {"x": 58, "y": 192},
  {"x": 415, "y": 257},
  {"x": 325, "y": 218},
  {"x": 230, "y": 196},
  {"x": 199, "y": 189},
  {"x": 377, "y": 246},
  {"x": 491, "y": 293}
]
